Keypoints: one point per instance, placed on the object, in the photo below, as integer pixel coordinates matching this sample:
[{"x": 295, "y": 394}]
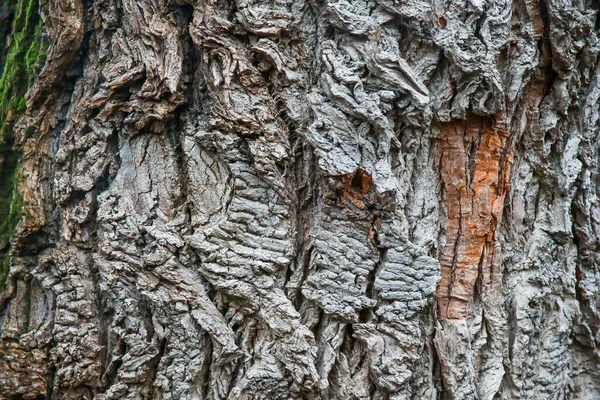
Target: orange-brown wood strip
[{"x": 475, "y": 168}]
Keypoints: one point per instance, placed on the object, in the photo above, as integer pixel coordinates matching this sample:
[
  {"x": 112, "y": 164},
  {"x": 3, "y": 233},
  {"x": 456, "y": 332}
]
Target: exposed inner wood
[{"x": 475, "y": 167}]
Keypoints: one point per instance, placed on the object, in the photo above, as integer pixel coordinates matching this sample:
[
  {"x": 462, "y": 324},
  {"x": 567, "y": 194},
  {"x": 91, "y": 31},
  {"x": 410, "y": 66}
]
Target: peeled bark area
[
  {"x": 475, "y": 190},
  {"x": 338, "y": 199}
]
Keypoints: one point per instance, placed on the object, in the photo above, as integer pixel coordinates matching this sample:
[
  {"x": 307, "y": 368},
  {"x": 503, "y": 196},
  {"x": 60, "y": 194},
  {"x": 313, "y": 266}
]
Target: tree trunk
[{"x": 289, "y": 199}]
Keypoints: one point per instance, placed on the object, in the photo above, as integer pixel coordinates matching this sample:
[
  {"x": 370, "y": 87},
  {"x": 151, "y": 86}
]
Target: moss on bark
[{"x": 24, "y": 53}]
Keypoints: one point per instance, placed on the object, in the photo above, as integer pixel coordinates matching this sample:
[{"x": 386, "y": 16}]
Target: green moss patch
[{"x": 24, "y": 54}]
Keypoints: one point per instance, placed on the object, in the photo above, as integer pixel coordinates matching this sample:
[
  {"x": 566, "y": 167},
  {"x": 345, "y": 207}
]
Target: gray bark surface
[{"x": 289, "y": 199}]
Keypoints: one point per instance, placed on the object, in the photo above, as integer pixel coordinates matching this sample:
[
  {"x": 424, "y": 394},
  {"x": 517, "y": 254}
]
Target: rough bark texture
[{"x": 288, "y": 199}]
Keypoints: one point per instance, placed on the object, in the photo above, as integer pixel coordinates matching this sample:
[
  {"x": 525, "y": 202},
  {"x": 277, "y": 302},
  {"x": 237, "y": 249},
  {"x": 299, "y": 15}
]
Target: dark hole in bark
[{"x": 361, "y": 181}]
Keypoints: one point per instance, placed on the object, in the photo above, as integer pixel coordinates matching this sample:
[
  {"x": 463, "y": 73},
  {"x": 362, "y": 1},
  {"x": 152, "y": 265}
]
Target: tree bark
[{"x": 337, "y": 199}]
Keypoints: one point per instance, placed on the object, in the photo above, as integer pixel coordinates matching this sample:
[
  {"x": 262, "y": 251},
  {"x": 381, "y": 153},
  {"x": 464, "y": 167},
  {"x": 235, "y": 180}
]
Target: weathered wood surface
[{"x": 291, "y": 199}]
